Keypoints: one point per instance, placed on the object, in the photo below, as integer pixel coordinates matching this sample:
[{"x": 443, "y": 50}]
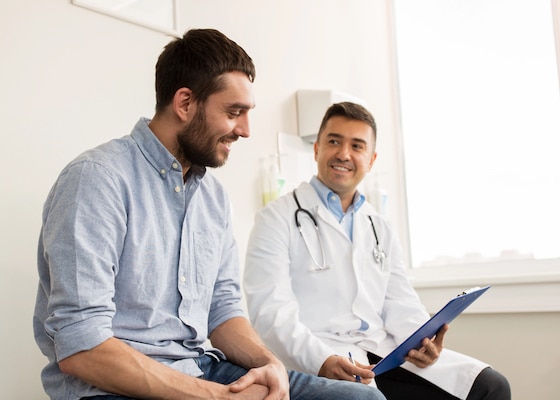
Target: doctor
[{"x": 325, "y": 278}]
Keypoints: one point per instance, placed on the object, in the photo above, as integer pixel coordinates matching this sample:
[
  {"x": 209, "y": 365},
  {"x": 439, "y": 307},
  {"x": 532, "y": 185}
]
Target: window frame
[{"x": 517, "y": 286}]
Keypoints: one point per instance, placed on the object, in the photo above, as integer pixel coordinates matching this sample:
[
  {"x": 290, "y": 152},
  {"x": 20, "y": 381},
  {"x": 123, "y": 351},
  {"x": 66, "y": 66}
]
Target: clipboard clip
[{"x": 469, "y": 291}]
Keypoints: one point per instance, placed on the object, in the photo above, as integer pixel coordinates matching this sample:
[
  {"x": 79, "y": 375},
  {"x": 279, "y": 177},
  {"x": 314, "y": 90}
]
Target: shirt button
[
  {"x": 175, "y": 165},
  {"x": 163, "y": 171},
  {"x": 183, "y": 279},
  {"x": 177, "y": 189}
]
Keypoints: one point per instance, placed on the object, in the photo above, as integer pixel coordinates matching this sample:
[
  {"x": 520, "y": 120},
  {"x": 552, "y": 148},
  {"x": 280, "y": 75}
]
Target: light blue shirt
[
  {"x": 331, "y": 200},
  {"x": 127, "y": 250}
]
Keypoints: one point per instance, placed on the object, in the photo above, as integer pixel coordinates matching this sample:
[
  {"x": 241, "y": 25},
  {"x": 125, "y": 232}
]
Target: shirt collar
[
  {"x": 157, "y": 154},
  {"x": 331, "y": 200}
]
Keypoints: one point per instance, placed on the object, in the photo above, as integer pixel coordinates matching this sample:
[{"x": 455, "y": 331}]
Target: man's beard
[{"x": 195, "y": 146}]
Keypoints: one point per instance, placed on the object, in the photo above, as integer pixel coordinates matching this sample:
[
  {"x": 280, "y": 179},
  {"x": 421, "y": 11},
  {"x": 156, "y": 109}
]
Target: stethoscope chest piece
[{"x": 379, "y": 256}]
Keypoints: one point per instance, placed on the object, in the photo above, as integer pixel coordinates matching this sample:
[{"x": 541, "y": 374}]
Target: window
[{"x": 480, "y": 110}]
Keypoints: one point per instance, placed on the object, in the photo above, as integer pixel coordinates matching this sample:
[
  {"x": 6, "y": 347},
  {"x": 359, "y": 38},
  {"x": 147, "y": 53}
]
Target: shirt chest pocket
[{"x": 206, "y": 260}]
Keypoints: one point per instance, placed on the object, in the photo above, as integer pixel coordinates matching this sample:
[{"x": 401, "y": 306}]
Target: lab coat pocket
[{"x": 371, "y": 273}]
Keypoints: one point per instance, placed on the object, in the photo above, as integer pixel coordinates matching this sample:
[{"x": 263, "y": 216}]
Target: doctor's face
[{"x": 345, "y": 152}]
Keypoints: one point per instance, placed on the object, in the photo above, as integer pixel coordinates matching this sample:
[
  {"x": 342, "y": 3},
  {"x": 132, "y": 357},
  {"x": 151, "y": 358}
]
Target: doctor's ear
[
  {"x": 183, "y": 103},
  {"x": 372, "y": 160}
]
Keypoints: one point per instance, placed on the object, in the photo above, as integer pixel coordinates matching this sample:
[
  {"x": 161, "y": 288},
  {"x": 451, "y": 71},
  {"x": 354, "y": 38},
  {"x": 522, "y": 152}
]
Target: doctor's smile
[{"x": 341, "y": 168}]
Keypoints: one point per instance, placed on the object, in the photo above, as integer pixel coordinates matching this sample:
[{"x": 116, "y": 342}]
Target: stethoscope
[{"x": 378, "y": 253}]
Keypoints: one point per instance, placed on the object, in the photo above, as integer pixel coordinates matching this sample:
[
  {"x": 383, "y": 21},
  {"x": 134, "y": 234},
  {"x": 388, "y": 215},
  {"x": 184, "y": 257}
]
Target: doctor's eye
[{"x": 359, "y": 147}]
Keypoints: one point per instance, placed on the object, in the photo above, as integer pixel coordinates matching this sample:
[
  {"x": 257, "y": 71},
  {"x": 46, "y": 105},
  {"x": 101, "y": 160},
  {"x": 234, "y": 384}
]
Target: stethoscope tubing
[
  {"x": 317, "y": 266},
  {"x": 378, "y": 254}
]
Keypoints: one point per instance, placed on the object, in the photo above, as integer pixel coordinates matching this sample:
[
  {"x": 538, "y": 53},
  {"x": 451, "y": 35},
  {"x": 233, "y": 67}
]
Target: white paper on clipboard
[{"x": 444, "y": 316}]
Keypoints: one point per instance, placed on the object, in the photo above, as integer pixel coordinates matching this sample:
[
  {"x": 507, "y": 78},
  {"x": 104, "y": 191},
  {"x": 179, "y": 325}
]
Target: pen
[{"x": 358, "y": 379}]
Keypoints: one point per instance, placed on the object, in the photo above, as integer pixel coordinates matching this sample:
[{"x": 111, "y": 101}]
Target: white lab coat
[{"x": 305, "y": 315}]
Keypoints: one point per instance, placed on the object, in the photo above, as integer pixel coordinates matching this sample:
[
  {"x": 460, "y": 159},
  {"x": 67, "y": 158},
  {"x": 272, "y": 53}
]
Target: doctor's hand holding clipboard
[
  {"x": 418, "y": 348},
  {"x": 430, "y": 350},
  {"x": 345, "y": 368}
]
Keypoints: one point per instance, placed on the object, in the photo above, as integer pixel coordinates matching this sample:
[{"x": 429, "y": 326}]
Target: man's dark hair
[
  {"x": 351, "y": 111},
  {"x": 197, "y": 61}
]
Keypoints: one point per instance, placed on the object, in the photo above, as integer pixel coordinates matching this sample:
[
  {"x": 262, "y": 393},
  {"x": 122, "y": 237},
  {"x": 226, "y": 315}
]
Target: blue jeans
[{"x": 302, "y": 386}]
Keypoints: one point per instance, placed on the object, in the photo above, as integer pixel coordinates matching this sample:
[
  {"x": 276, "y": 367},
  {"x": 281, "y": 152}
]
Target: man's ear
[
  {"x": 372, "y": 160},
  {"x": 316, "y": 149},
  {"x": 183, "y": 103}
]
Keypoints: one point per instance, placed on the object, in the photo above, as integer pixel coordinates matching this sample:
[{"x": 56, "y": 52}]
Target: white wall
[
  {"x": 523, "y": 346},
  {"x": 71, "y": 79}
]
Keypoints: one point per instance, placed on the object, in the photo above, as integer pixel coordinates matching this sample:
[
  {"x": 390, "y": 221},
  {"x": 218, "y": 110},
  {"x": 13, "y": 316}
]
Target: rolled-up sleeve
[{"x": 82, "y": 239}]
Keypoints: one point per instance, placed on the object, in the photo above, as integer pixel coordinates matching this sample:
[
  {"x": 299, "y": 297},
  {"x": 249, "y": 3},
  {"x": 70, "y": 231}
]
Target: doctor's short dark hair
[
  {"x": 197, "y": 61},
  {"x": 351, "y": 111}
]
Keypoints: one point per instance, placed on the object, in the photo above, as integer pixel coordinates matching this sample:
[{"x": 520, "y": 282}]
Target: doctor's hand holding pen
[{"x": 346, "y": 369}]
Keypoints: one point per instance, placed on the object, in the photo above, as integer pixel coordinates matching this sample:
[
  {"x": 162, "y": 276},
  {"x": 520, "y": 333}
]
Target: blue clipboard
[{"x": 444, "y": 316}]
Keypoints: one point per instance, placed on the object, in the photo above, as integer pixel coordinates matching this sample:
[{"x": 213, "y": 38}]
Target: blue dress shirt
[{"x": 128, "y": 250}]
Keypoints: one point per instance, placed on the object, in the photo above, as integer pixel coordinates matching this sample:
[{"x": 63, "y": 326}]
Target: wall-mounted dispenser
[
  {"x": 311, "y": 107},
  {"x": 272, "y": 181}
]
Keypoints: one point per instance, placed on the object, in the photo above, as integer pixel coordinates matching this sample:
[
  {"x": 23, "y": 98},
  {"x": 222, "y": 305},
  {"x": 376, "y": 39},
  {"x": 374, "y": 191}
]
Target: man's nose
[
  {"x": 343, "y": 152},
  {"x": 242, "y": 128}
]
